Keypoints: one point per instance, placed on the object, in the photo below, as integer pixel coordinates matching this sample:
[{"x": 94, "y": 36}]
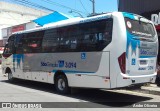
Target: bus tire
[
  {"x": 10, "y": 77},
  {"x": 61, "y": 84}
]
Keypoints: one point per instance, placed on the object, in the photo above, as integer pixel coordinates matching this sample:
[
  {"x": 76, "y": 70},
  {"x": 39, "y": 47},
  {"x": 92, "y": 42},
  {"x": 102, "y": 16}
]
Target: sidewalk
[
  {"x": 151, "y": 89},
  {"x": 146, "y": 89}
]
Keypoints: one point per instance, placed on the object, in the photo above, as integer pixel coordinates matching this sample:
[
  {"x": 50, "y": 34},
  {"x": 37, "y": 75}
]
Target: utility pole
[{"x": 93, "y": 3}]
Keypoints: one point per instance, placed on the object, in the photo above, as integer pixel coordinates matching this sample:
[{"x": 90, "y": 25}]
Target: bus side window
[
  {"x": 18, "y": 44},
  {"x": 73, "y": 45},
  {"x": 6, "y": 49},
  {"x": 105, "y": 37},
  {"x": 10, "y": 47},
  {"x": 35, "y": 42},
  {"x": 50, "y": 40},
  {"x": 25, "y": 41}
]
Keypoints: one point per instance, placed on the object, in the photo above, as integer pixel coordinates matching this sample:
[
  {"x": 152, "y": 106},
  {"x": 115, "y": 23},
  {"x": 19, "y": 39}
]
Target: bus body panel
[
  {"x": 99, "y": 79},
  {"x": 85, "y": 62},
  {"x": 141, "y": 65},
  {"x": 42, "y": 67},
  {"x": 117, "y": 47},
  {"x": 45, "y": 66},
  {"x": 88, "y": 81},
  {"x": 7, "y": 63},
  {"x": 136, "y": 72},
  {"x": 140, "y": 53}
]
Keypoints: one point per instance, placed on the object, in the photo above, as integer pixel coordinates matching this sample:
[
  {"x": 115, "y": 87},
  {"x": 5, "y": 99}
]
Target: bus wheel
[
  {"x": 10, "y": 77},
  {"x": 61, "y": 84}
]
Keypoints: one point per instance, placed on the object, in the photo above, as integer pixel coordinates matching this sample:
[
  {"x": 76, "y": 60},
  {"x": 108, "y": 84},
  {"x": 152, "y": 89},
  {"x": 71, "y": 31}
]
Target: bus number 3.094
[
  {"x": 150, "y": 68},
  {"x": 70, "y": 65}
]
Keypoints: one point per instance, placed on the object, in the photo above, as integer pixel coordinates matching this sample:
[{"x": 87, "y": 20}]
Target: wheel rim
[{"x": 61, "y": 84}]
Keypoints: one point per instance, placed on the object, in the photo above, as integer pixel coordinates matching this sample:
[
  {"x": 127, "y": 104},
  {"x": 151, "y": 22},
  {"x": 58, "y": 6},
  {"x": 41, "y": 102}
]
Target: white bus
[{"x": 108, "y": 51}]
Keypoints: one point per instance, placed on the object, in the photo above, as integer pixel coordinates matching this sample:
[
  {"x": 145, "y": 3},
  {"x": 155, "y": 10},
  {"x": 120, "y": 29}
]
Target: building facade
[
  {"x": 6, "y": 32},
  {"x": 14, "y": 17},
  {"x": 147, "y": 8},
  {"x": 14, "y": 14}
]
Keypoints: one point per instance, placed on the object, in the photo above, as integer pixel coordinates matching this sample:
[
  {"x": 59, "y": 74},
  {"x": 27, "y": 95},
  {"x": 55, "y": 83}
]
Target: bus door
[{"x": 18, "y": 56}]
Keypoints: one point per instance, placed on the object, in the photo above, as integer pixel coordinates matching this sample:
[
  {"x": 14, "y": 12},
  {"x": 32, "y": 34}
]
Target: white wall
[
  {"x": 13, "y": 14},
  {"x": 30, "y": 25},
  {"x": 1, "y": 34}
]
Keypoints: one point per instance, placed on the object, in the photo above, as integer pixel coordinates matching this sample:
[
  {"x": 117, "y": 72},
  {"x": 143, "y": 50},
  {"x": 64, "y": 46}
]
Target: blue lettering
[
  {"x": 142, "y": 69},
  {"x": 150, "y": 67},
  {"x": 147, "y": 52},
  {"x": 61, "y": 63},
  {"x": 48, "y": 64},
  {"x": 70, "y": 64}
]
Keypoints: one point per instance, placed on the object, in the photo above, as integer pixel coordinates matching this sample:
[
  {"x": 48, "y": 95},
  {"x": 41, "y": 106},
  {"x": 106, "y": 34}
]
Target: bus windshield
[{"x": 140, "y": 28}]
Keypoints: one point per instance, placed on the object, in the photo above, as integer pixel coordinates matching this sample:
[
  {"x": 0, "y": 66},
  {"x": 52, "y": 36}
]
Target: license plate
[{"x": 143, "y": 62}]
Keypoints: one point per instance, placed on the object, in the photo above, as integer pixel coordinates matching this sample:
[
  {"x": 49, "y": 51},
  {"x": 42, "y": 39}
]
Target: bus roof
[
  {"x": 79, "y": 20},
  {"x": 67, "y": 22}
]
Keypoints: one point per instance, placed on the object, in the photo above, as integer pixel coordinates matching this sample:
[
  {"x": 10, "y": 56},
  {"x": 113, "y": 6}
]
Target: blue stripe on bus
[
  {"x": 69, "y": 71},
  {"x": 133, "y": 43},
  {"x": 147, "y": 56},
  {"x": 130, "y": 41},
  {"x": 129, "y": 15}
]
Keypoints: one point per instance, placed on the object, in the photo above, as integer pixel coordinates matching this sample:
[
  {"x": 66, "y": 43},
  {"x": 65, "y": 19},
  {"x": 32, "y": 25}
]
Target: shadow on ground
[{"x": 96, "y": 98}]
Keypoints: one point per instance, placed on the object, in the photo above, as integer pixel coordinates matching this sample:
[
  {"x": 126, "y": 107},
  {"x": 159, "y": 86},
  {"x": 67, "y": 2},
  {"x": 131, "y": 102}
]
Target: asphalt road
[{"x": 29, "y": 91}]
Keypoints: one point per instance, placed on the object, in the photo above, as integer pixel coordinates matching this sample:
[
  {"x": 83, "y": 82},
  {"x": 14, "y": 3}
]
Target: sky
[{"x": 78, "y": 7}]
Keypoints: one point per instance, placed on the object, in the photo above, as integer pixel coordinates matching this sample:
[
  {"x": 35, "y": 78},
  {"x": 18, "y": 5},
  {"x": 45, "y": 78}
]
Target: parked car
[
  {"x": 158, "y": 74},
  {"x": 158, "y": 80}
]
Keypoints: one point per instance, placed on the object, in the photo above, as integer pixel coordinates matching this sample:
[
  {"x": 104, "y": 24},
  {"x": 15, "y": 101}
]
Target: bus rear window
[{"x": 140, "y": 28}]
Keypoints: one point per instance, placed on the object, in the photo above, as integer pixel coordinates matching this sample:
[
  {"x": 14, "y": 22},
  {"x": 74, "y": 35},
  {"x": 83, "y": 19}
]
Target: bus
[{"x": 108, "y": 51}]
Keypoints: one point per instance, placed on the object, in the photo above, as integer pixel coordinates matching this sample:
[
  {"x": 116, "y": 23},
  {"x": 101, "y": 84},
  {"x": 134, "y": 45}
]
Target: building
[
  {"x": 147, "y": 8},
  {"x": 14, "y": 17},
  {"x": 138, "y": 6},
  {"x": 14, "y": 14},
  {"x": 6, "y": 32}
]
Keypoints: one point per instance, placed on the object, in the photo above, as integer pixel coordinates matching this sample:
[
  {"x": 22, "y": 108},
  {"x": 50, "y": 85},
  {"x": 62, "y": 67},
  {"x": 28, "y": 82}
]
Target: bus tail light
[{"x": 122, "y": 62}]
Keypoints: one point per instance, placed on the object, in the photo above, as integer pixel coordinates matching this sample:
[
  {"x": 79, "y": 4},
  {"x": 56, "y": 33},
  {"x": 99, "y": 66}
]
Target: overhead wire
[
  {"x": 26, "y": 2},
  {"x": 10, "y": 15},
  {"x": 63, "y": 6},
  {"x": 83, "y": 6}
]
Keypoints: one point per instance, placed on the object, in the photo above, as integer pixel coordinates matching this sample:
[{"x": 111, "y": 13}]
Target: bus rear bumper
[
  {"x": 125, "y": 80},
  {"x": 139, "y": 76}
]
